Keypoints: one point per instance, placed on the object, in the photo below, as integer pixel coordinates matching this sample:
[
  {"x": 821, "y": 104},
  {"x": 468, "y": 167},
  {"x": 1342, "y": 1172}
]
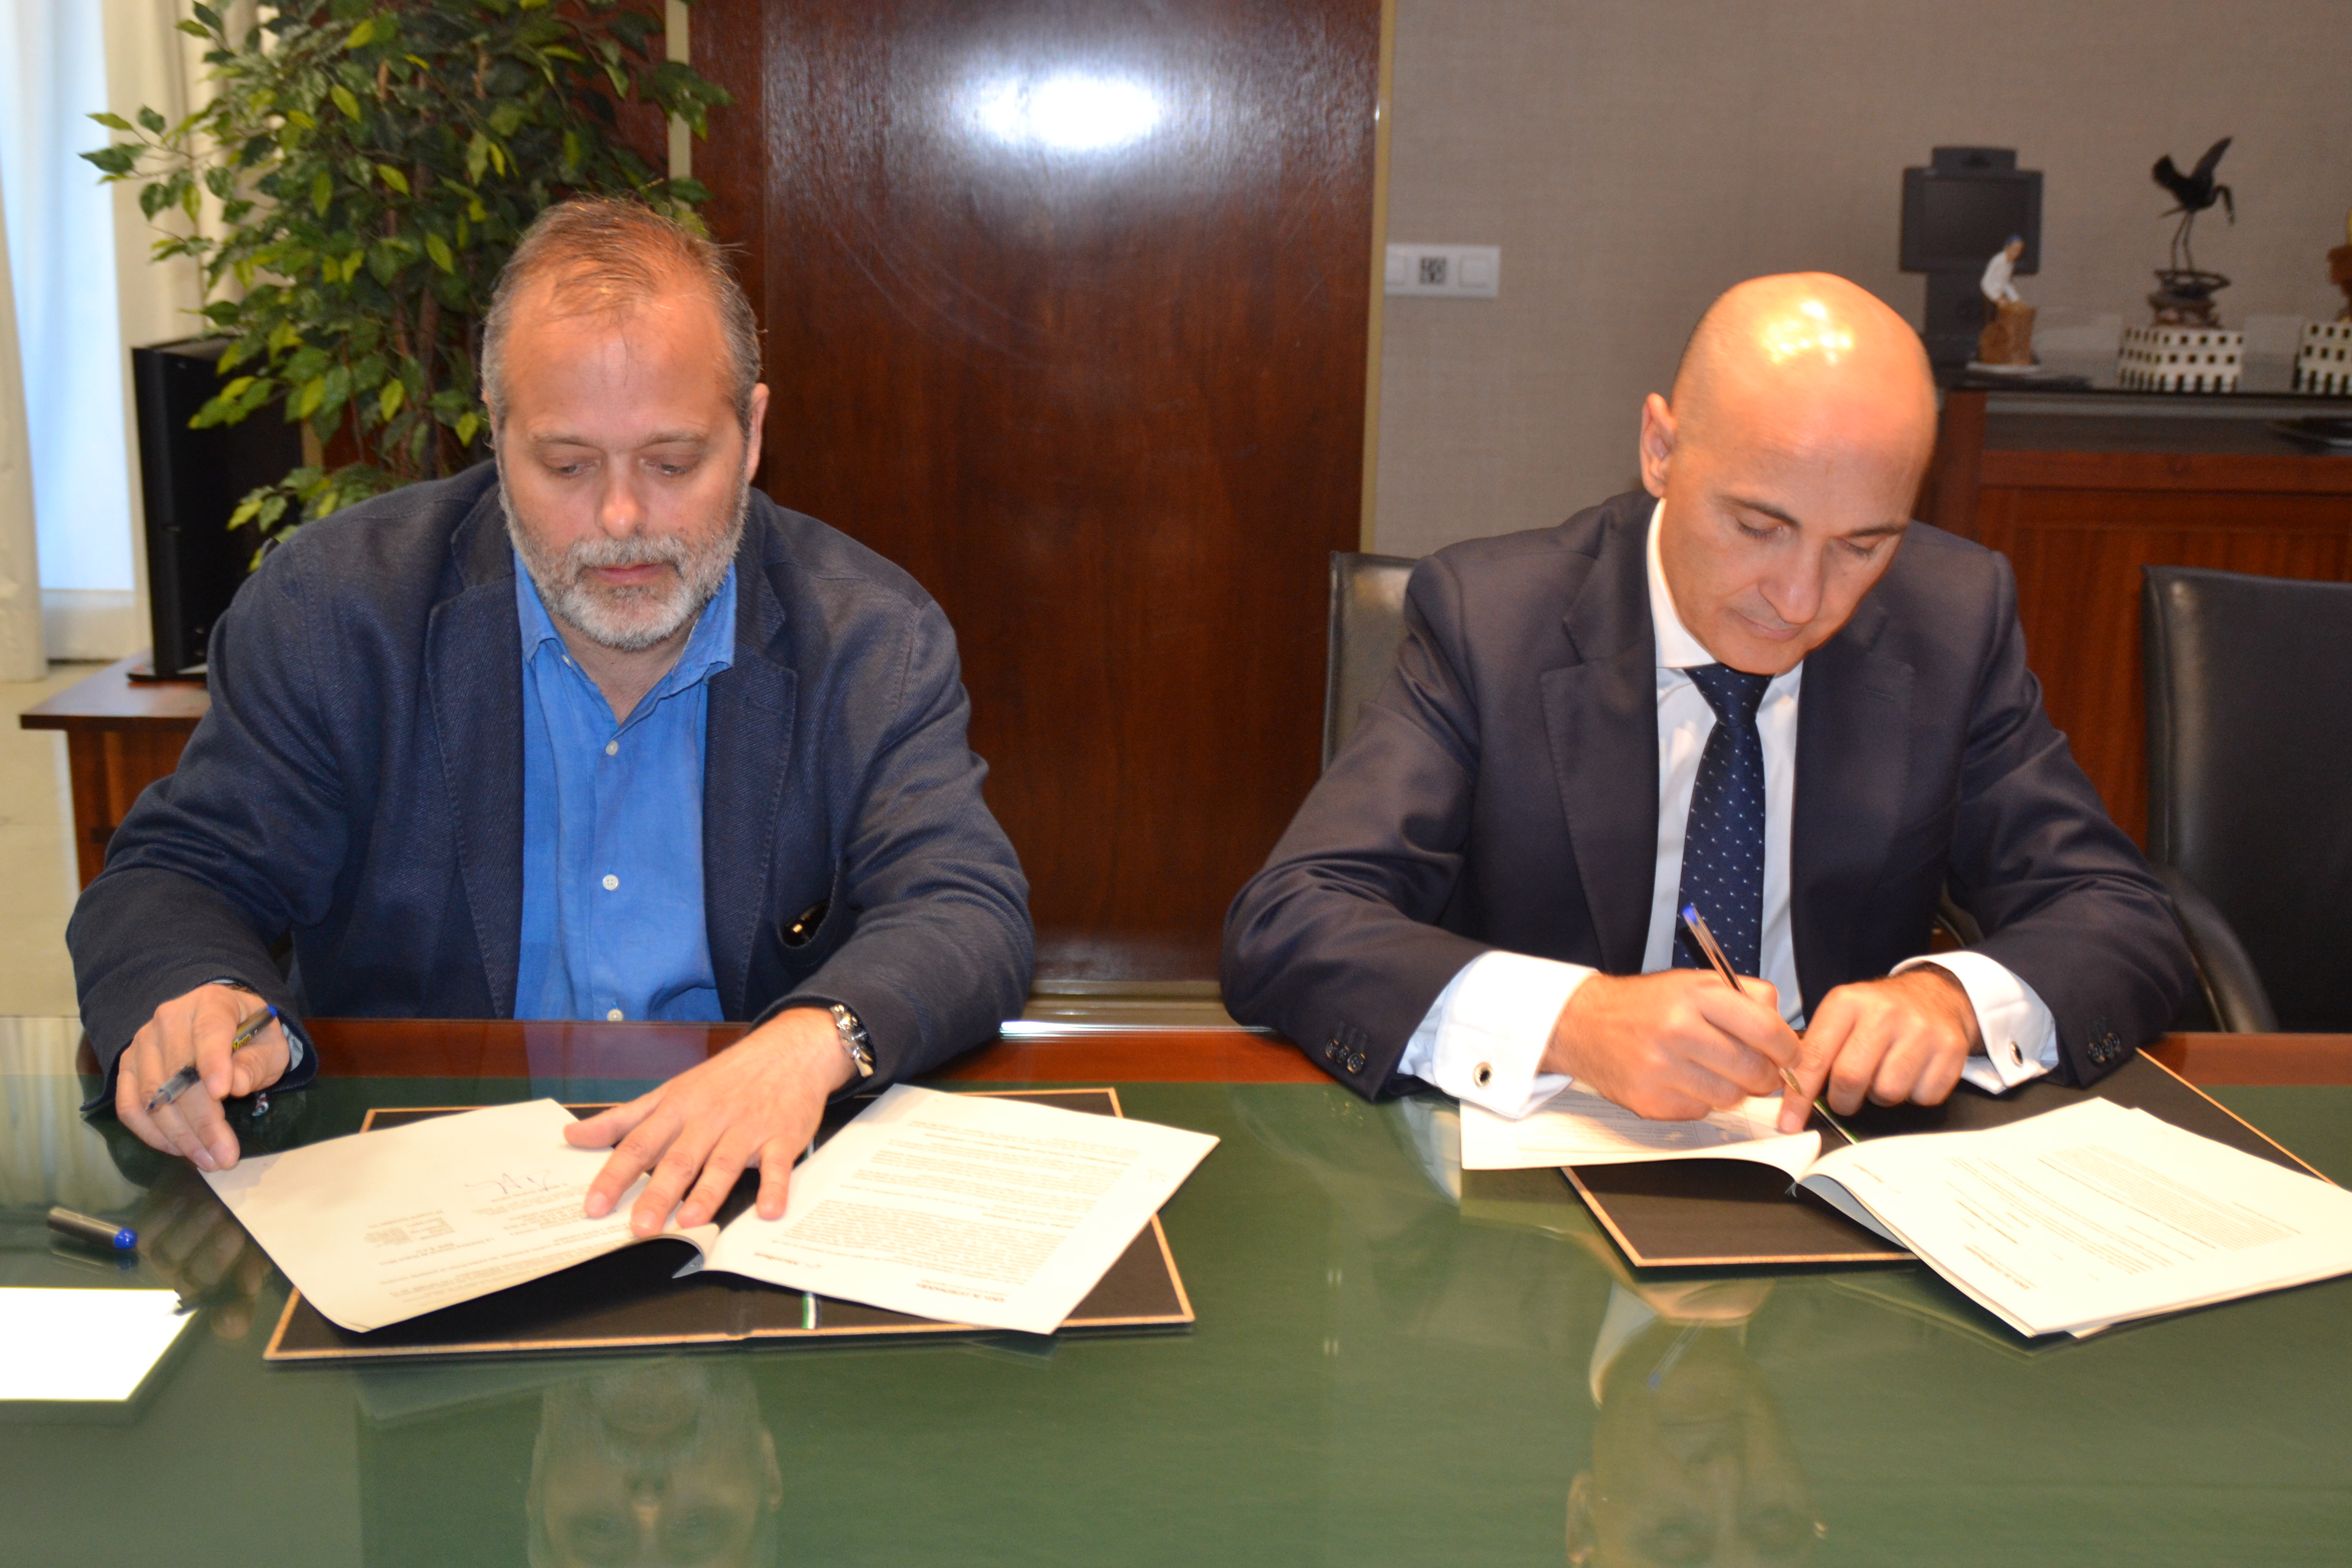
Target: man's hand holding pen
[
  {"x": 198, "y": 1033},
  {"x": 1672, "y": 1046}
]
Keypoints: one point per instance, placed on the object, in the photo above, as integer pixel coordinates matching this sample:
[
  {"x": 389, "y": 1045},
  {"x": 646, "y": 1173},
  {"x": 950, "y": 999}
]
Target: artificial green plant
[{"x": 375, "y": 162}]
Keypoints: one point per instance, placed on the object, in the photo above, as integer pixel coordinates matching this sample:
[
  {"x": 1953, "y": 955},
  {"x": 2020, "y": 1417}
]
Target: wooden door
[{"x": 1065, "y": 305}]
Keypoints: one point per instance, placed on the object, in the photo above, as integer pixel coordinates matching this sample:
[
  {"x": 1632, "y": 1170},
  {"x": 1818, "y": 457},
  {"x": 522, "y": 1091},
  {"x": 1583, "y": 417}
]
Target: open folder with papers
[
  {"x": 982, "y": 1210},
  {"x": 2068, "y": 1213}
]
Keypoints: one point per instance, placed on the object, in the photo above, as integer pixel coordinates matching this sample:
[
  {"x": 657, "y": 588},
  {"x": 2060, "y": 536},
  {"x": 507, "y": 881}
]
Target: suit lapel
[
  {"x": 1853, "y": 758},
  {"x": 473, "y": 679},
  {"x": 1602, "y": 714},
  {"x": 746, "y": 757}
]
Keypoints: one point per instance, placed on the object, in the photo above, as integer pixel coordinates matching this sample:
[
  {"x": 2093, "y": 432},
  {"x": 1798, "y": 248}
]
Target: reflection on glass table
[{"x": 1389, "y": 1365}]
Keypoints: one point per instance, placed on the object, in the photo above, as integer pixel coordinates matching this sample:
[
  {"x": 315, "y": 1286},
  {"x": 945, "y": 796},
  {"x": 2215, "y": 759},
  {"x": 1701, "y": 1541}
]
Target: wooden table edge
[{"x": 1047, "y": 1053}]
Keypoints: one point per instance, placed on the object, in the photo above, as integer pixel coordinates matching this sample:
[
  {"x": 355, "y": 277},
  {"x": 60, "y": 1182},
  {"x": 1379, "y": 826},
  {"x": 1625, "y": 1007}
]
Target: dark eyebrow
[{"x": 1869, "y": 531}]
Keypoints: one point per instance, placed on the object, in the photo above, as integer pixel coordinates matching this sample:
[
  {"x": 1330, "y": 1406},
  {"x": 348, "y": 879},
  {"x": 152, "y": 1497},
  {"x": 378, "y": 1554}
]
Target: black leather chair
[
  {"x": 2249, "y": 787},
  {"x": 1367, "y": 625}
]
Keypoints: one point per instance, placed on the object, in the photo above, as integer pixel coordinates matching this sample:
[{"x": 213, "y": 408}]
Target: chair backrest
[
  {"x": 2250, "y": 769},
  {"x": 1367, "y": 625}
]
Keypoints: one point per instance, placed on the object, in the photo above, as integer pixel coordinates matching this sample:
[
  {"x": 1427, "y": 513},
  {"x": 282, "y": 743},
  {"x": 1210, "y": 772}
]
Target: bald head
[
  {"x": 1800, "y": 425},
  {"x": 1807, "y": 349}
]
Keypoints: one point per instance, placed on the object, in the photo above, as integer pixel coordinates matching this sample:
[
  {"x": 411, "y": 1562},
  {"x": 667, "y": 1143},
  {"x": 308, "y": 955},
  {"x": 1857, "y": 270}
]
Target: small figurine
[
  {"x": 2007, "y": 341},
  {"x": 2186, "y": 298}
]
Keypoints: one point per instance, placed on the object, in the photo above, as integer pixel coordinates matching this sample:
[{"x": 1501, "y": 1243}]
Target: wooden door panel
[{"x": 1102, "y": 398}]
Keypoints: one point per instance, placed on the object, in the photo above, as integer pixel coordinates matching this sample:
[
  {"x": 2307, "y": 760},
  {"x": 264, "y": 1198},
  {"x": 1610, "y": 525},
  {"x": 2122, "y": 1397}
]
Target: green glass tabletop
[{"x": 1382, "y": 1372}]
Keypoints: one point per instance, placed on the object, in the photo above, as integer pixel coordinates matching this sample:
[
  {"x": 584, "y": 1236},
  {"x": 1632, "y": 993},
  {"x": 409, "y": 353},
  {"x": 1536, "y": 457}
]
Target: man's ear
[
  {"x": 753, "y": 436},
  {"x": 1657, "y": 444}
]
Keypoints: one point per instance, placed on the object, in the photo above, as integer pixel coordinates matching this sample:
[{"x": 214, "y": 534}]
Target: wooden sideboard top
[{"x": 110, "y": 699}]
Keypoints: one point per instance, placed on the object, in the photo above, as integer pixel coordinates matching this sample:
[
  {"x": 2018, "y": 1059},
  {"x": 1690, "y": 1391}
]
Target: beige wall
[{"x": 1634, "y": 157}]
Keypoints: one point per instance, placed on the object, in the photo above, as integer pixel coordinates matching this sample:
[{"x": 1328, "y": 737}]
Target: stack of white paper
[{"x": 1578, "y": 1128}]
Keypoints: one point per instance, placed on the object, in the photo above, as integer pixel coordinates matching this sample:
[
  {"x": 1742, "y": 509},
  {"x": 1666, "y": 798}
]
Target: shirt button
[
  {"x": 611, "y": 883},
  {"x": 2016, "y": 1056},
  {"x": 1482, "y": 1074},
  {"x": 612, "y": 1014},
  {"x": 611, "y": 748}
]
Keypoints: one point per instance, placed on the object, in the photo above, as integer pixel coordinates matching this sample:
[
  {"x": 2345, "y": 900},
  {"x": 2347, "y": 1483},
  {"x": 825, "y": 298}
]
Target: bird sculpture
[{"x": 2195, "y": 191}]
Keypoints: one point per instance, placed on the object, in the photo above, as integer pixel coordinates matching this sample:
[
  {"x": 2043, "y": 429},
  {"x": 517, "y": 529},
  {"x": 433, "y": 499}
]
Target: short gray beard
[{"x": 627, "y": 620}]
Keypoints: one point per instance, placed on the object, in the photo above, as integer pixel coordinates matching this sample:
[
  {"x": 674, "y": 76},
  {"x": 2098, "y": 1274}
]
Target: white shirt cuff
[
  {"x": 2020, "y": 1037},
  {"x": 1484, "y": 1037}
]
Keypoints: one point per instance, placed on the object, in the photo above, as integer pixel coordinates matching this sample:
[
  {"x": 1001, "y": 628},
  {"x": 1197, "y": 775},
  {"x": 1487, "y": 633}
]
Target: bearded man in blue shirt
[{"x": 594, "y": 732}]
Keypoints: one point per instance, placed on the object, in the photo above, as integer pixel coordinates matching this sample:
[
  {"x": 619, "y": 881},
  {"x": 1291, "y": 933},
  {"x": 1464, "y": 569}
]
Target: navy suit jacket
[
  {"x": 358, "y": 785},
  {"x": 1502, "y": 792}
]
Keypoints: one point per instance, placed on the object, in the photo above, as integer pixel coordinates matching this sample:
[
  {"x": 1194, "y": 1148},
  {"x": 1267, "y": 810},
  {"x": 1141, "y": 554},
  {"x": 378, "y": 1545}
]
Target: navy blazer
[
  {"x": 358, "y": 785},
  {"x": 1502, "y": 792}
]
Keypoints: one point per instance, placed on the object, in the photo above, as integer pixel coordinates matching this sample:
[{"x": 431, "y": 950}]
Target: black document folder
[
  {"x": 1721, "y": 1212},
  {"x": 628, "y": 1300}
]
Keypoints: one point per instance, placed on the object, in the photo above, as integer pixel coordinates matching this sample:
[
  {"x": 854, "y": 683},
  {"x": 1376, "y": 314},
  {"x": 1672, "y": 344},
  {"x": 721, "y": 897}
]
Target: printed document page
[
  {"x": 1575, "y": 1127},
  {"x": 381, "y": 1226},
  {"x": 965, "y": 1207},
  {"x": 2079, "y": 1218}
]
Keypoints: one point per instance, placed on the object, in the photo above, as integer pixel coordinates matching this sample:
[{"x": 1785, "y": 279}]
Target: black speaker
[{"x": 192, "y": 481}]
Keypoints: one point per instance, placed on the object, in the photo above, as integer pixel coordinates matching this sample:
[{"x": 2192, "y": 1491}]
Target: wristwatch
[{"x": 853, "y": 1039}]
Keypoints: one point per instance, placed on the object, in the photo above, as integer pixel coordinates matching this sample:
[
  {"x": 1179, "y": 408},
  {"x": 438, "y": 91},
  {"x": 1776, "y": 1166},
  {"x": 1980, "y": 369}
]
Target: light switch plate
[{"x": 1444, "y": 271}]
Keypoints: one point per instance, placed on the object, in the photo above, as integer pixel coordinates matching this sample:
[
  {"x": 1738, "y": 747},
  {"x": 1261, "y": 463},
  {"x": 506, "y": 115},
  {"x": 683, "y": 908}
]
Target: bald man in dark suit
[{"x": 1759, "y": 689}]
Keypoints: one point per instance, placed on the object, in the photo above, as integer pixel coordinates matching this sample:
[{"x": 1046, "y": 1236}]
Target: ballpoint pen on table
[
  {"x": 1695, "y": 923},
  {"x": 180, "y": 1083}
]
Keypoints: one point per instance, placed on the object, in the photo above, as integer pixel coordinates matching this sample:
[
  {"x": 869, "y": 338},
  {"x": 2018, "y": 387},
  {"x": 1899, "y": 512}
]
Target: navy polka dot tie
[{"x": 1723, "y": 846}]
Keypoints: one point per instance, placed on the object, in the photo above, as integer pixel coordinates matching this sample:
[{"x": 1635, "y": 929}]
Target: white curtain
[
  {"x": 21, "y": 657},
  {"x": 85, "y": 292}
]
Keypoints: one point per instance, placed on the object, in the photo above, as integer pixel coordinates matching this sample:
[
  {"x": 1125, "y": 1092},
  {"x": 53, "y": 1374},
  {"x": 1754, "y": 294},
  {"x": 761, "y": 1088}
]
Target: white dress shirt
[{"x": 1483, "y": 1036}]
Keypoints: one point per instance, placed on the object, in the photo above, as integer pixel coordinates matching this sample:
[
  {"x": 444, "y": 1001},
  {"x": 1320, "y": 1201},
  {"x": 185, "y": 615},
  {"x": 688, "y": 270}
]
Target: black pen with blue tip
[{"x": 1704, "y": 939}]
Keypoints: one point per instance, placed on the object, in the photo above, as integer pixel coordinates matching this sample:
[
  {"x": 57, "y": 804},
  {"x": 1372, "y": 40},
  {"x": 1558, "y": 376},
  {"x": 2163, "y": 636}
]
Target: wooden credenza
[
  {"x": 121, "y": 735},
  {"x": 2080, "y": 492}
]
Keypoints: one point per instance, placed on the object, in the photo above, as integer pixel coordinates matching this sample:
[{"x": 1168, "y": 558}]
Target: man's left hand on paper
[
  {"x": 196, "y": 1028},
  {"x": 1905, "y": 1037},
  {"x": 757, "y": 1103}
]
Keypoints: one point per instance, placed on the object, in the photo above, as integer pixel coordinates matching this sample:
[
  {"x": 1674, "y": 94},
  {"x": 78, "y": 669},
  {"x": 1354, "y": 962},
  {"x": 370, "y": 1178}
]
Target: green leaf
[
  {"x": 438, "y": 249},
  {"x": 506, "y": 118},
  {"x": 153, "y": 122},
  {"x": 246, "y": 510},
  {"x": 236, "y": 386},
  {"x": 208, "y": 16},
  {"x": 114, "y": 161},
  {"x": 393, "y": 177},
  {"x": 306, "y": 401},
  {"x": 466, "y": 425},
  {"x": 478, "y": 156},
  {"x": 153, "y": 199},
  {"x": 323, "y": 192},
  {"x": 194, "y": 30},
  {"x": 388, "y": 401},
  {"x": 361, "y": 35},
  {"x": 112, "y": 122},
  {"x": 345, "y": 101},
  {"x": 296, "y": 117}
]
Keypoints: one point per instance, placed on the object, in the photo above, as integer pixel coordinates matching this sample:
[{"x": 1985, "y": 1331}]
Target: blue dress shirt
[{"x": 612, "y": 920}]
